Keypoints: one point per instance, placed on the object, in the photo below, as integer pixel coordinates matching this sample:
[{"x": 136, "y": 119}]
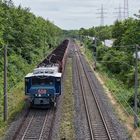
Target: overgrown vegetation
[
  {"x": 120, "y": 92},
  {"x": 118, "y": 59},
  {"x": 117, "y": 62},
  {"x": 28, "y": 39}
]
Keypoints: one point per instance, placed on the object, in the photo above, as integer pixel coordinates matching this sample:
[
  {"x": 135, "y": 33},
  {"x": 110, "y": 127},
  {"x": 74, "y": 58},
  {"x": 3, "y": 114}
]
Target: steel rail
[
  {"x": 29, "y": 124},
  {"x": 41, "y": 133},
  {"x": 85, "y": 102},
  {"x": 25, "y": 132},
  {"x": 50, "y": 128},
  {"x": 95, "y": 98}
]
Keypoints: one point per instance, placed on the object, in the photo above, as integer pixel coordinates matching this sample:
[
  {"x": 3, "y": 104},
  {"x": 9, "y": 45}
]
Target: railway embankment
[{"x": 117, "y": 94}]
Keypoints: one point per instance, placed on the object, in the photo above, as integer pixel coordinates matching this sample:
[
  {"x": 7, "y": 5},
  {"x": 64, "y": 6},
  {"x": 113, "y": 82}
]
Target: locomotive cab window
[
  {"x": 58, "y": 79},
  {"x": 42, "y": 81}
]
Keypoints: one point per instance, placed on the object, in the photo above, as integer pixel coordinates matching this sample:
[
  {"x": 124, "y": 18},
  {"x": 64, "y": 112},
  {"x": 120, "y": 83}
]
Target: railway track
[
  {"x": 100, "y": 127},
  {"x": 36, "y": 126}
]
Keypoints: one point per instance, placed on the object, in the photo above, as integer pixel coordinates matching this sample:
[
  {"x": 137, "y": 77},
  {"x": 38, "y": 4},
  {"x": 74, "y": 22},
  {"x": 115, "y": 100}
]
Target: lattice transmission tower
[
  {"x": 126, "y": 9},
  {"x": 119, "y": 13},
  {"x": 102, "y": 15}
]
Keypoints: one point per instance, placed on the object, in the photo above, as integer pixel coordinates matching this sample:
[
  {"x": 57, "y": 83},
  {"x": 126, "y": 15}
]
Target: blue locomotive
[{"x": 43, "y": 86}]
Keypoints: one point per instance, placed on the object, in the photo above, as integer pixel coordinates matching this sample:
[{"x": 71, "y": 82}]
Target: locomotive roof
[{"x": 45, "y": 71}]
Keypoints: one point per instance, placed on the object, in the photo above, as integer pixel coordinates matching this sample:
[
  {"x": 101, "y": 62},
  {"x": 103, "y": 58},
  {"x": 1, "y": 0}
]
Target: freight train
[{"x": 43, "y": 85}]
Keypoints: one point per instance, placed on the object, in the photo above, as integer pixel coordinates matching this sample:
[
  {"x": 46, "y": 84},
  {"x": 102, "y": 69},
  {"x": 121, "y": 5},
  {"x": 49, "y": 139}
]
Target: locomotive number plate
[{"x": 42, "y": 91}]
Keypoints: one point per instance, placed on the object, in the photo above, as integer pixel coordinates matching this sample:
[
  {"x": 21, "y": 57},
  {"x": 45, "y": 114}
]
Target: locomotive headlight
[{"x": 39, "y": 95}]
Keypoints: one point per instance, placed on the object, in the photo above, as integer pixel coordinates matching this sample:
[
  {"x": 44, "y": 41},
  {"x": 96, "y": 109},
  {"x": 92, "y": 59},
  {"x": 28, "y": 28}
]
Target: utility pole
[
  {"x": 136, "y": 89},
  {"x": 95, "y": 53},
  {"x": 44, "y": 47},
  {"x": 5, "y": 85},
  {"x": 95, "y": 48}
]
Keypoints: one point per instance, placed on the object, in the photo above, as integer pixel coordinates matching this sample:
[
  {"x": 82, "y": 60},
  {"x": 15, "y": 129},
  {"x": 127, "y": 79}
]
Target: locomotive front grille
[{"x": 41, "y": 101}]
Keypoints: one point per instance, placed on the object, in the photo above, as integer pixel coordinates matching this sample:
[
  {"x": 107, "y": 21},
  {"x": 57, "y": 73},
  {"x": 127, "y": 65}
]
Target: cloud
[{"x": 70, "y": 14}]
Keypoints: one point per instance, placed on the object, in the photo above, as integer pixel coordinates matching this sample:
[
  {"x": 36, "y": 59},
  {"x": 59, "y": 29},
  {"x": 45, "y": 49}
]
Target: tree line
[
  {"x": 118, "y": 59},
  {"x": 27, "y": 38}
]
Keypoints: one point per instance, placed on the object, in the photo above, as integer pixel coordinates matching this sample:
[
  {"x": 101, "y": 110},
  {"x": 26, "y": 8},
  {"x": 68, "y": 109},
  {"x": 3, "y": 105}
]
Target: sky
[{"x": 74, "y": 14}]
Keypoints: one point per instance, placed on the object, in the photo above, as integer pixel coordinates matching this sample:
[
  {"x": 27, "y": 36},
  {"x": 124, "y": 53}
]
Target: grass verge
[
  {"x": 15, "y": 105},
  {"x": 67, "y": 122}
]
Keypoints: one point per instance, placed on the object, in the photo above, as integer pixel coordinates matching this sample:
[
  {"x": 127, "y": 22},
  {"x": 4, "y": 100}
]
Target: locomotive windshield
[{"x": 39, "y": 81}]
